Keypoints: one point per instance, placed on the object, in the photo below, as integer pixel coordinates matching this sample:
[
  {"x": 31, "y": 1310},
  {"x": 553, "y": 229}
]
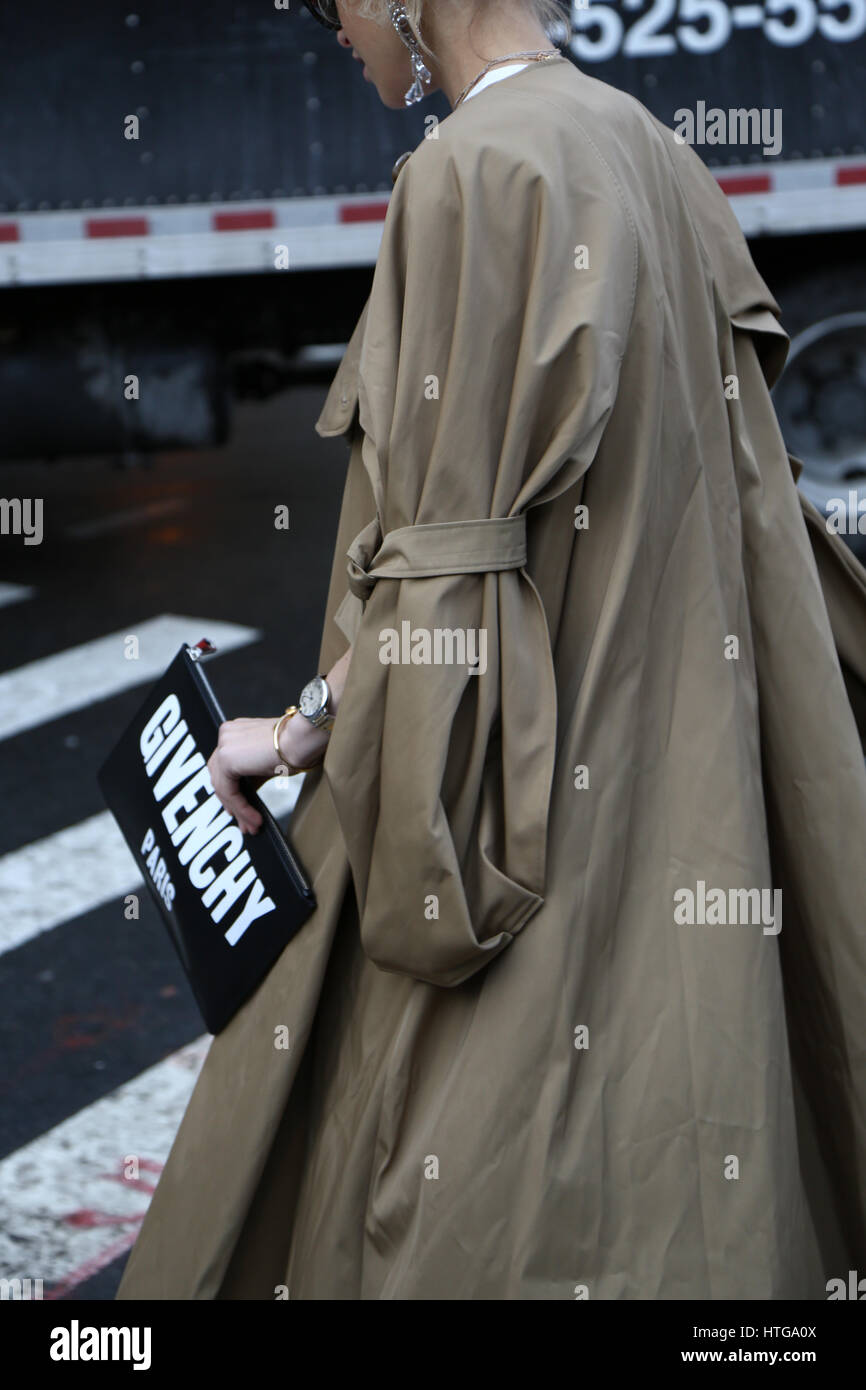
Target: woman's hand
[{"x": 245, "y": 749}]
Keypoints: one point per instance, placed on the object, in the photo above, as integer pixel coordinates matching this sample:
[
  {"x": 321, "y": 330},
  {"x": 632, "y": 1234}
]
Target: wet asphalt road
[{"x": 87, "y": 1007}]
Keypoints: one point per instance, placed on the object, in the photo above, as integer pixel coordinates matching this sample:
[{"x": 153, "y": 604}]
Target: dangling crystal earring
[{"x": 421, "y": 74}]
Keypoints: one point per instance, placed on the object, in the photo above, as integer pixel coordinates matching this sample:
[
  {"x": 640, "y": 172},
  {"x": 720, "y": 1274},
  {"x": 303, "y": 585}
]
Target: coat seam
[{"x": 620, "y": 193}]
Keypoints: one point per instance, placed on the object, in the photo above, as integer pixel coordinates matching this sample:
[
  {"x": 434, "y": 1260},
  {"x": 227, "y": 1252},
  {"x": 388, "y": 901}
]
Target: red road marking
[
  {"x": 92, "y": 1266},
  {"x": 88, "y": 1218}
]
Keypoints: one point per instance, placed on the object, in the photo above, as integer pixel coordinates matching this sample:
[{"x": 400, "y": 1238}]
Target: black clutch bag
[{"x": 231, "y": 903}]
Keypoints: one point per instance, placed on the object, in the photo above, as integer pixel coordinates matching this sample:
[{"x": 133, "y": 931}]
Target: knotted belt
[
  {"x": 483, "y": 906},
  {"x": 437, "y": 548}
]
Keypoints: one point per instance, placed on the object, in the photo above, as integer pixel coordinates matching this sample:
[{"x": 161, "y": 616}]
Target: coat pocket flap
[{"x": 341, "y": 403}]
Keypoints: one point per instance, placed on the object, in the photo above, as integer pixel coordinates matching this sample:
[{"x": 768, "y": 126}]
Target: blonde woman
[{"x": 580, "y": 1012}]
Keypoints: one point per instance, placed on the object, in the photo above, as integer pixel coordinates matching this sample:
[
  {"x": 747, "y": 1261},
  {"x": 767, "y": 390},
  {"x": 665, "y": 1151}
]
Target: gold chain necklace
[{"x": 542, "y": 55}]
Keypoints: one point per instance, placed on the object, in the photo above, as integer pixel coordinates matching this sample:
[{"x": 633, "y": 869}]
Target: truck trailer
[{"x": 192, "y": 198}]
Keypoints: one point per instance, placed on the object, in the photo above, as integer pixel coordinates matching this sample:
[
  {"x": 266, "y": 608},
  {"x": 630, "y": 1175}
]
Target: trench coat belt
[
  {"x": 435, "y": 548},
  {"x": 494, "y": 898}
]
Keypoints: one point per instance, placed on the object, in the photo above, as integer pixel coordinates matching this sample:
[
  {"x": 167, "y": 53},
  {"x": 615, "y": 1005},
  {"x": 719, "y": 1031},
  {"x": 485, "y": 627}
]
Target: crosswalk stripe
[
  {"x": 56, "y": 685},
  {"x": 15, "y": 593},
  {"x": 52, "y": 880},
  {"x": 70, "y": 1205},
  {"x": 79, "y": 868},
  {"x": 72, "y": 1202}
]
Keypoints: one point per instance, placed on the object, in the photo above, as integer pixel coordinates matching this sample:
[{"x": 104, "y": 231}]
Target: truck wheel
[{"x": 820, "y": 398}]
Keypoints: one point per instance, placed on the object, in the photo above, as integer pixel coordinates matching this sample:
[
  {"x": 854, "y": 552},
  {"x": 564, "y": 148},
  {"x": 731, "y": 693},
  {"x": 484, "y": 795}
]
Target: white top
[{"x": 495, "y": 75}]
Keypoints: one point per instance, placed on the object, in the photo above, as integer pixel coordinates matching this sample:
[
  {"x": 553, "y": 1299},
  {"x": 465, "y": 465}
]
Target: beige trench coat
[{"x": 516, "y": 1070}]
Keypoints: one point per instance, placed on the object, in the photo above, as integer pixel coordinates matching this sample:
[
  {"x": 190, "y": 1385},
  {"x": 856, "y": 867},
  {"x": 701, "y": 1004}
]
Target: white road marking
[
  {"x": 53, "y": 880},
  {"x": 281, "y": 793},
  {"x": 82, "y": 867},
  {"x": 72, "y": 1201},
  {"x": 56, "y": 685},
  {"x": 15, "y": 593}
]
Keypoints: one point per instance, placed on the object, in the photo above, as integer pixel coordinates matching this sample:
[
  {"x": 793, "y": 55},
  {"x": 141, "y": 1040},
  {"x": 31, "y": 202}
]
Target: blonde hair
[{"x": 547, "y": 12}]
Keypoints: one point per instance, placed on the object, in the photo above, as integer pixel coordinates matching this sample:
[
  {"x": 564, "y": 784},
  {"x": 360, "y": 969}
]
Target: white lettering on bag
[{"x": 204, "y": 834}]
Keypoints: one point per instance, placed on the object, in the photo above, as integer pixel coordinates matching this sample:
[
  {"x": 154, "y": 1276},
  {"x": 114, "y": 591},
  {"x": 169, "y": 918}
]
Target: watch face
[{"x": 312, "y": 697}]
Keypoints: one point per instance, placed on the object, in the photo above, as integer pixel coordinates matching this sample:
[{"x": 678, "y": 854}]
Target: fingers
[
  {"x": 230, "y": 796},
  {"x": 243, "y": 755}
]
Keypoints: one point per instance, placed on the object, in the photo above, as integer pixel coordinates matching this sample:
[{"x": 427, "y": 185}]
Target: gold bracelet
[{"x": 292, "y": 709}]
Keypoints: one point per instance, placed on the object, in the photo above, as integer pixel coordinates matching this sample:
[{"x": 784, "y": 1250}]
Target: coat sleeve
[{"x": 495, "y": 330}]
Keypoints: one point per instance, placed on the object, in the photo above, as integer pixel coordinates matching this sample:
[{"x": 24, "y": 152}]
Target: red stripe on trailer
[
  {"x": 9, "y": 231},
  {"x": 116, "y": 226},
  {"x": 243, "y": 221},
  {"x": 363, "y": 212},
  {"x": 746, "y": 183},
  {"x": 851, "y": 173}
]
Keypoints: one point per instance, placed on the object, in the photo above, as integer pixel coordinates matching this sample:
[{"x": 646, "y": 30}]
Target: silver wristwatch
[{"x": 313, "y": 703}]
